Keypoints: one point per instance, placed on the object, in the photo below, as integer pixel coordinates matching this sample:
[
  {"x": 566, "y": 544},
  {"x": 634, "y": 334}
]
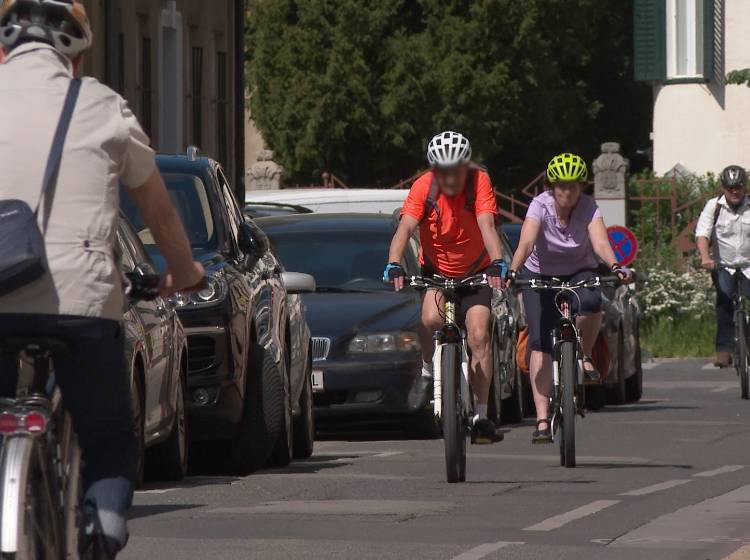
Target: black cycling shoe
[
  {"x": 484, "y": 431},
  {"x": 591, "y": 376},
  {"x": 542, "y": 436}
]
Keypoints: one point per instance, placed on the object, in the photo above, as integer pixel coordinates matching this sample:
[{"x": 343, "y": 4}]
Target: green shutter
[
  {"x": 709, "y": 37},
  {"x": 650, "y": 40}
]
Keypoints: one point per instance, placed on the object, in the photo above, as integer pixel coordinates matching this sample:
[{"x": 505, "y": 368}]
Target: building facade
[
  {"x": 686, "y": 48},
  {"x": 179, "y": 63}
]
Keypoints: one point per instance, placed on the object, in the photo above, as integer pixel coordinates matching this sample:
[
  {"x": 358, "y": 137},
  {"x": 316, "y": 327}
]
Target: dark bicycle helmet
[
  {"x": 62, "y": 24},
  {"x": 733, "y": 176}
]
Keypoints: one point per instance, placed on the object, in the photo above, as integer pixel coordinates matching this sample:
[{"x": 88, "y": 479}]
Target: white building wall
[{"x": 706, "y": 127}]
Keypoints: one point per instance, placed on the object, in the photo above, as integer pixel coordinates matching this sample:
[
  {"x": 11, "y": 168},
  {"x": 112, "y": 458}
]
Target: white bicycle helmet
[
  {"x": 62, "y": 24},
  {"x": 448, "y": 148}
]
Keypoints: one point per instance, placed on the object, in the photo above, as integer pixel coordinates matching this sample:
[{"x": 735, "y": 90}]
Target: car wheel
[
  {"x": 263, "y": 415},
  {"x": 304, "y": 424},
  {"x": 634, "y": 383},
  {"x": 169, "y": 460},
  {"x": 283, "y": 451},
  {"x": 136, "y": 398},
  {"x": 616, "y": 392}
]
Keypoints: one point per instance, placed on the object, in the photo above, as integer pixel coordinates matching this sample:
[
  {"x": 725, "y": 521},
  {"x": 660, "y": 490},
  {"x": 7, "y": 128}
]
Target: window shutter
[
  {"x": 709, "y": 38},
  {"x": 650, "y": 40}
]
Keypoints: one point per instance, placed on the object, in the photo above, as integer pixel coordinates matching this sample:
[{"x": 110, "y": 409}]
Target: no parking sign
[{"x": 624, "y": 244}]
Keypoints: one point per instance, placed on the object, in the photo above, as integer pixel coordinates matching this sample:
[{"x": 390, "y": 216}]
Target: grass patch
[{"x": 683, "y": 336}]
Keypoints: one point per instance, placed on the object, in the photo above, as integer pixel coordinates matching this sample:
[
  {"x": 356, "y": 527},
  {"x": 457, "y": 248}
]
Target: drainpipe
[
  {"x": 239, "y": 102},
  {"x": 112, "y": 44}
]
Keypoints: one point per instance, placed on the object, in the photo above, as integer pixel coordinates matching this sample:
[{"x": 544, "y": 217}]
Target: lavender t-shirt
[{"x": 562, "y": 250}]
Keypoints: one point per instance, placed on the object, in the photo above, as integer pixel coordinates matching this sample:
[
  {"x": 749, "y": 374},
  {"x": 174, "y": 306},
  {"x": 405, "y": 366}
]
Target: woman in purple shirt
[{"x": 562, "y": 236}]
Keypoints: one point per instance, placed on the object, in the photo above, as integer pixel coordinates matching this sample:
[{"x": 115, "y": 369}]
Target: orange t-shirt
[{"x": 451, "y": 241}]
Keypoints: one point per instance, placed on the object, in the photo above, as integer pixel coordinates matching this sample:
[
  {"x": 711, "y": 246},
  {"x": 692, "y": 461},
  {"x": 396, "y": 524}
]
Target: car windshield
[
  {"x": 189, "y": 195},
  {"x": 339, "y": 261}
]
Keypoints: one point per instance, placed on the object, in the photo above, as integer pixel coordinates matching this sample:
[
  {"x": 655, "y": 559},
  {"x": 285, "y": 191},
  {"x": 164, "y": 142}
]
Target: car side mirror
[
  {"x": 250, "y": 243},
  {"x": 145, "y": 269},
  {"x": 298, "y": 283}
]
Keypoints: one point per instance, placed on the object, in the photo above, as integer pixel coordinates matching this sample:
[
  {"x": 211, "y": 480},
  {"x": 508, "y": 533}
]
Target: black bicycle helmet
[{"x": 733, "y": 176}]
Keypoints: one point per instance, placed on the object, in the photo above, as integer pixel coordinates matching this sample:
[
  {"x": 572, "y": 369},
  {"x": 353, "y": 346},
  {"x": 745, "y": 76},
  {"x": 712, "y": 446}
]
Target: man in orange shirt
[{"x": 453, "y": 205}]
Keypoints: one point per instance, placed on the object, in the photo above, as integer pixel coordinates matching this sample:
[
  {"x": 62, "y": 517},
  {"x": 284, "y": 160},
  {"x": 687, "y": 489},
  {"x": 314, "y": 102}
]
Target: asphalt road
[{"x": 667, "y": 478}]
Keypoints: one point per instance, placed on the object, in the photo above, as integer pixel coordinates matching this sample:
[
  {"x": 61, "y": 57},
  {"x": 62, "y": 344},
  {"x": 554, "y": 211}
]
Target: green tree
[{"x": 358, "y": 87}]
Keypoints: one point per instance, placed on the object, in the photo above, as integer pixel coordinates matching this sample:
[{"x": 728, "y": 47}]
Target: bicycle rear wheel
[
  {"x": 742, "y": 365},
  {"x": 567, "y": 394},
  {"x": 31, "y": 518},
  {"x": 454, "y": 435}
]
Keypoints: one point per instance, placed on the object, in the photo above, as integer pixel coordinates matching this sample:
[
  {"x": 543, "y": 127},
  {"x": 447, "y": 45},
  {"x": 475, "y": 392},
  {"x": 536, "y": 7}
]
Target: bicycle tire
[
  {"x": 29, "y": 494},
  {"x": 454, "y": 435},
  {"x": 742, "y": 365},
  {"x": 568, "y": 389}
]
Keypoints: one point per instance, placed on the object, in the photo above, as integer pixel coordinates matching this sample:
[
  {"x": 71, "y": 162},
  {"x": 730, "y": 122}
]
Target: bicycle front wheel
[
  {"x": 742, "y": 365},
  {"x": 454, "y": 435},
  {"x": 567, "y": 393},
  {"x": 31, "y": 519}
]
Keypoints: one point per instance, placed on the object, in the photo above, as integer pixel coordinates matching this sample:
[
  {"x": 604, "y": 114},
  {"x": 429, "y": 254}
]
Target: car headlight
[
  {"x": 405, "y": 341},
  {"x": 215, "y": 292}
]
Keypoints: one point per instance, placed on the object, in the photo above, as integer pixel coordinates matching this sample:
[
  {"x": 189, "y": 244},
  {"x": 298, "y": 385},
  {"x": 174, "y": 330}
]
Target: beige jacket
[{"x": 105, "y": 146}]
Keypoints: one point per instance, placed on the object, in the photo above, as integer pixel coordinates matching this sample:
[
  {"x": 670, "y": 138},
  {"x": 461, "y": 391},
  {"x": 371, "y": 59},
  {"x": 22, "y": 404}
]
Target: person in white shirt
[{"x": 723, "y": 239}]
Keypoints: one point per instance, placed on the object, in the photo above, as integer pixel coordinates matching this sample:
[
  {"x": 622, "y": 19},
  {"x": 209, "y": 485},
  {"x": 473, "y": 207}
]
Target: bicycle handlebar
[
  {"x": 441, "y": 283},
  {"x": 556, "y": 284}
]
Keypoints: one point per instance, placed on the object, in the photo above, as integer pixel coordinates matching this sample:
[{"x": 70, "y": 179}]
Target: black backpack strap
[
  {"x": 431, "y": 201},
  {"x": 471, "y": 189},
  {"x": 717, "y": 211},
  {"x": 56, "y": 152}
]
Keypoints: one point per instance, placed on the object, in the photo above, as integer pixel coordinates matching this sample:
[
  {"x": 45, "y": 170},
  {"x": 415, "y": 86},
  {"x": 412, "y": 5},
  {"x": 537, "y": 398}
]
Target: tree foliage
[{"x": 359, "y": 87}]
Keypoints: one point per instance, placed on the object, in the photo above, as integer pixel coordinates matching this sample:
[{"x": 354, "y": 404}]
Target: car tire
[
  {"x": 529, "y": 408},
  {"x": 616, "y": 392},
  {"x": 634, "y": 383},
  {"x": 263, "y": 415},
  {"x": 169, "y": 460},
  {"x": 304, "y": 424},
  {"x": 136, "y": 398},
  {"x": 283, "y": 450}
]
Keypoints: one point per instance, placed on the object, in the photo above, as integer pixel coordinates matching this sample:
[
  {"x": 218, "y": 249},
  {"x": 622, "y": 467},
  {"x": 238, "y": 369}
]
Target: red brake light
[
  {"x": 35, "y": 423},
  {"x": 9, "y": 423}
]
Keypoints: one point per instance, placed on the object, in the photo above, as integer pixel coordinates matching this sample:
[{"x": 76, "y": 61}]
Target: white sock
[
  {"x": 481, "y": 410},
  {"x": 427, "y": 369}
]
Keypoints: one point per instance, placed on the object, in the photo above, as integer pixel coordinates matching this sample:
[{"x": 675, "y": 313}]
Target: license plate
[{"x": 317, "y": 381}]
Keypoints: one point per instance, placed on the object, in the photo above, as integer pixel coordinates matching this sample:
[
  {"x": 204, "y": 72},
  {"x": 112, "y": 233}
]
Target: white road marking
[
  {"x": 656, "y": 487},
  {"x": 483, "y": 550},
  {"x": 721, "y": 470},
  {"x": 709, "y": 365},
  {"x": 564, "y": 518},
  {"x": 156, "y": 491},
  {"x": 649, "y": 365},
  {"x": 387, "y": 454},
  {"x": 722, "y": 389}
]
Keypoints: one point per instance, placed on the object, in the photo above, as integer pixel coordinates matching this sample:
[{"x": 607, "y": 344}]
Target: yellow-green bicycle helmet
[{"x": 567, "y": 167}]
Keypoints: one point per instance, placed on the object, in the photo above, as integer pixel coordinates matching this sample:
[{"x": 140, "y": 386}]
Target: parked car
[
  {"x": 157, "y": 358},
  {"x": 380, "y": 201},
  {"x": 246, "y": 376},
  {"x": 365, "y": 347},
  {"x": 256, "y": 209},
  {"x": 621, "y": 328}
]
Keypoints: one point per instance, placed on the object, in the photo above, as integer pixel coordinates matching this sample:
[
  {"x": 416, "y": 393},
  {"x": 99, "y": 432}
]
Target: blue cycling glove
[
  {"x": 497, "y": 268},
  {"x": 393, "y": 271}
]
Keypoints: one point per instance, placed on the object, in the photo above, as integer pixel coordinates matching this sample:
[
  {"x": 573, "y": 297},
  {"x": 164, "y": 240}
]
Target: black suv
[{"x": 239, "y": 356}]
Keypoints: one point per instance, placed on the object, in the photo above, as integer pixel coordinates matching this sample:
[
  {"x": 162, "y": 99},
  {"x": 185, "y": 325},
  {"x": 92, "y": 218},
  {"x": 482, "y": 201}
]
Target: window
[
  {"x": 676, "y": 40},
  {"x": 685, "y": 38},
  {"x": 146, "y": 86},
  {"x": 221, "y": 107},
  {"x": 197, "y": 93}
]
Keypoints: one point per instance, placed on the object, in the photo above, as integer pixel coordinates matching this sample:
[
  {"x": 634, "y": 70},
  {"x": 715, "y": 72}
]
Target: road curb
[{"x": 740, "y": 554}]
